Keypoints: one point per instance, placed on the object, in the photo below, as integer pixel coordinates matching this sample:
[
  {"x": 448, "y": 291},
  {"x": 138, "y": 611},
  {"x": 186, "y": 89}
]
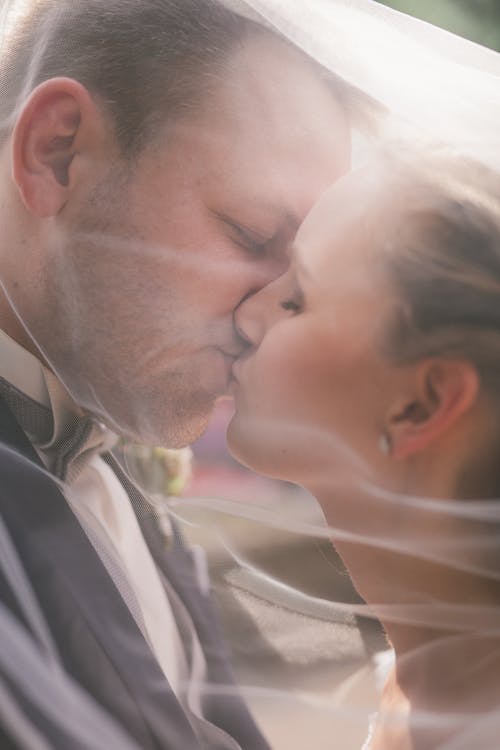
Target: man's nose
[{"x": 274, "y": 264}]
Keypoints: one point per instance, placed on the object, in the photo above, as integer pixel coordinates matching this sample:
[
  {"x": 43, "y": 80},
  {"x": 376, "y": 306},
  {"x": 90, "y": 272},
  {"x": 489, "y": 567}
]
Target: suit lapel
[{"x": 13, "y": 438}]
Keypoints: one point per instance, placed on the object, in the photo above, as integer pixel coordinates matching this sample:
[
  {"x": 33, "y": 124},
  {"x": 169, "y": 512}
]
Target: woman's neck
[{"x": 421, "y": 575}]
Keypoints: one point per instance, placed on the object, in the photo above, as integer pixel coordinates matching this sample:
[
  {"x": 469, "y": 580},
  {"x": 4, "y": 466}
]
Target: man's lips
[
  {"x": 232, "y": 352},
  {"x": 233, "y": 356},
  {"x": 229, "y": 358}
]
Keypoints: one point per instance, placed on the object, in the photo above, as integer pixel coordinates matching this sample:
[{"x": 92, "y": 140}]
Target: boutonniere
[{"x": 159, "y": 472}]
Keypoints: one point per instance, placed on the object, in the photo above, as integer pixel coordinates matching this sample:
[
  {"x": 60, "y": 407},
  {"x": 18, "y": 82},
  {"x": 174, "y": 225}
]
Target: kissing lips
[{"x": 238, "y": 366}]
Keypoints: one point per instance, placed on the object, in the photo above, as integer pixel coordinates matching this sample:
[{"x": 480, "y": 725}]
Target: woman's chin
[
  {"x": 241, "y": 446},
  {"x": 252, "y": 448}
]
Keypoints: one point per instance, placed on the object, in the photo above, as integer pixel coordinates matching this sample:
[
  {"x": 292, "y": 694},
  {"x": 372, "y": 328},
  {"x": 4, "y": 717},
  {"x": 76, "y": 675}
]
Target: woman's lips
[
  {"x": 237, "y": 368},
  {"x": 234, "y": 371}
]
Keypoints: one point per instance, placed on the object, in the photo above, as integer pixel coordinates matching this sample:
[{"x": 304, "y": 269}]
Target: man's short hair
[{"x": 144, "y": 59}]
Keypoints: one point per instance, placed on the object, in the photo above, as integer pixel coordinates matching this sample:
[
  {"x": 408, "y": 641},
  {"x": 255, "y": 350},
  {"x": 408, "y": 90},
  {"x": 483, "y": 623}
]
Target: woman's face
[{"x": 313, "y": 387}]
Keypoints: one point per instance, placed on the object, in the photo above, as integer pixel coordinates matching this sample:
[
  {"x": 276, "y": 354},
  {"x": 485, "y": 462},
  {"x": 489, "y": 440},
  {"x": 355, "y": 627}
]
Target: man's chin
[
  {"x": 176, "y": 430},
  {"x": 173, "y": 423}
]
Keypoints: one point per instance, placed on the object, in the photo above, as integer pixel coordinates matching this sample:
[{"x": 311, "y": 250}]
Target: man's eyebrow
[
  {"x": 282, "y": 215},
  {"x": 291, "y": 218},
  {"x": 277, "y": 210}
]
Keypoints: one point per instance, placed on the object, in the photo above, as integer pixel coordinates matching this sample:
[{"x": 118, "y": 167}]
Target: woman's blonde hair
[{"x": 442, "y": 254}]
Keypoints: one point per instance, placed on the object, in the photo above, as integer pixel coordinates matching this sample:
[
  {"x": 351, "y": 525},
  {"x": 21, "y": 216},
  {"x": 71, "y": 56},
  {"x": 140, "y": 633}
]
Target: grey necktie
[{"x": 81, "y": 438}]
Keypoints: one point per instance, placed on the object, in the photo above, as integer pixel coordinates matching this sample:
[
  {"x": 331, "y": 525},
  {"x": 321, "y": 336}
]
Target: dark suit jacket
[{"x": 99, "y": 642}]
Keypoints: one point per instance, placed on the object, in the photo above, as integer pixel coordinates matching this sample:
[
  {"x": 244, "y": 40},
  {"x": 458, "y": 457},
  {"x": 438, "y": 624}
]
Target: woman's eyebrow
[{"x": 297, "y": 260}]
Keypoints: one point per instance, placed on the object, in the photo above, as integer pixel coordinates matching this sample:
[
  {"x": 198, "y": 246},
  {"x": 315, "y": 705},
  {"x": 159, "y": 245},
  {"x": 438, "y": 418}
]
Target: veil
[
  {"x": 311, "y": 656},
  {"x": 427, "y": 78},
  {"x": 438, "y": 89}
]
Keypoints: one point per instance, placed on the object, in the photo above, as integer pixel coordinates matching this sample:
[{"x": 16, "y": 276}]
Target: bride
[{"x": 372, "y": 378}]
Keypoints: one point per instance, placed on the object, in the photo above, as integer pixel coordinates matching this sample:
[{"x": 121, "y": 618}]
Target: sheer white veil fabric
[
  {"x": 427, "y": 78},
  {"x": 433, "y": 86},
  {"x": 440, "y": 89}
]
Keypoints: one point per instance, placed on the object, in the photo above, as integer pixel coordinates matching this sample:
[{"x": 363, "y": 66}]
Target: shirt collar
[{"x": 26, "y": 373}]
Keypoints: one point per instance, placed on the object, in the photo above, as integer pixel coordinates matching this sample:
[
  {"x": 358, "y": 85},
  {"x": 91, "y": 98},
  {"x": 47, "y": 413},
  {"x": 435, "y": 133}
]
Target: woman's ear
[
  {"x": 442, "y": 391},
  {"x": 58, "y": 122}
]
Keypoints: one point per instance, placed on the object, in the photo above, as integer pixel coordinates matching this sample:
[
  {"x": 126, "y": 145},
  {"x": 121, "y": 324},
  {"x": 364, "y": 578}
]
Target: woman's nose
[{"x": 257, "y": 312}]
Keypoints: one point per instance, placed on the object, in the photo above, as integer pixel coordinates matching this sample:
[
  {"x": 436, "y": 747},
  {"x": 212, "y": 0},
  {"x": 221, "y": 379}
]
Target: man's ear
[
  {"x": 442, "y": 391},
  {"x": 57, "y": 123}
]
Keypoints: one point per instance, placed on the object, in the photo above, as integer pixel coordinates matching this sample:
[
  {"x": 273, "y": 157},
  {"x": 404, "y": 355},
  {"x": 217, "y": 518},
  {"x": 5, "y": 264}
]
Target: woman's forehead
[{"x": 350, "y": 205}]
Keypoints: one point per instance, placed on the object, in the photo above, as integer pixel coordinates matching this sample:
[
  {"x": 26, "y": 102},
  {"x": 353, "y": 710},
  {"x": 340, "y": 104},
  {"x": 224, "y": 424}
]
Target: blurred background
[
  {"x": 478, "y": 20},
  {"x": 309, "y": 668}
]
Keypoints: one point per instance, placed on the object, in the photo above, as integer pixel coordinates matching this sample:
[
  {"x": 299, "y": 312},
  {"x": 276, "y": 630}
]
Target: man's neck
[{"x": 12, "y": 326}]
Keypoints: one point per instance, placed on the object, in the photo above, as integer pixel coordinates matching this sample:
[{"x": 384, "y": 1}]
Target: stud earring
[{"x": 384, "y": 444}]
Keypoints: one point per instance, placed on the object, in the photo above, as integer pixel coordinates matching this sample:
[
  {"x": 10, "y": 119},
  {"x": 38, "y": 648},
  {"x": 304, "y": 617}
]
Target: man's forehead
[
  {"x": 276, "y": 172},
  {"x": 270, "y": 81},
  {"x": 271, "y": 138},
  {"x": 268, "y": 94}
]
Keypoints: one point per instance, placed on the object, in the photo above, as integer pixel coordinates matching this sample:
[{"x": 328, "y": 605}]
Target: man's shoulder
[
  {"x": 19, "y": 472},
  {"x": 18, "y": 459}
]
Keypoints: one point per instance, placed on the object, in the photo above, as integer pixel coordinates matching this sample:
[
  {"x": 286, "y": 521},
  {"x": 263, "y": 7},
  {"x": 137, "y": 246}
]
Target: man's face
[{"x": 151, "y": 264}]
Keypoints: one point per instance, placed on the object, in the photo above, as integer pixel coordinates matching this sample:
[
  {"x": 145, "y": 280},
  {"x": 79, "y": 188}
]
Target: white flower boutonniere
[{"x": 157, "y": 471}]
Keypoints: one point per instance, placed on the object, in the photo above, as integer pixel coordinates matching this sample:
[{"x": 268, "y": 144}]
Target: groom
[{"x": 156, "y": 159}]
